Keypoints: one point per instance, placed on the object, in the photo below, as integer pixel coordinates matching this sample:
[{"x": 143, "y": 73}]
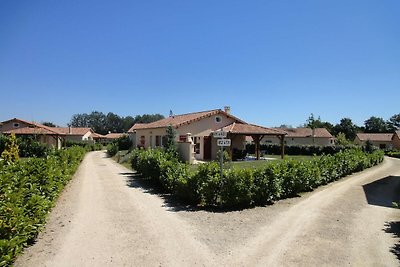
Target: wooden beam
[{"x": 282, "y": 137}]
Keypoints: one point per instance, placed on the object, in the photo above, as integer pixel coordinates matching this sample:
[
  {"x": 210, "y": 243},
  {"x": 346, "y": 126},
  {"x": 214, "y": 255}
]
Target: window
[
  {"x": 182, "y": 138},
  {"x": 218, "y": 119},
  {"x": 151, "y": 141},
  {"x": 196, "y": 141},
  {"x": 382, "y": 146},
  {"x": 16, "y": 125}
]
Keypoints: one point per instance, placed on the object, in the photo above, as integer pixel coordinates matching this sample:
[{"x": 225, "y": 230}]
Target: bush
[
  {"x": 247, "y": 187},
  {"x": 10, "y": 153},
  {"x": 112, "y": 149},
  {"x": 393, "y": 154},
  {"x": 307, "y": 150},
  {"x": 29, "y": 147},
  {"x": 28, "y": 190}
]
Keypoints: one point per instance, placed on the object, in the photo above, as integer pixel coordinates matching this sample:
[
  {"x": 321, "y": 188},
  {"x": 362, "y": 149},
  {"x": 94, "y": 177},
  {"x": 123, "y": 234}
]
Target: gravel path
[{"x": 105, "y": 217}]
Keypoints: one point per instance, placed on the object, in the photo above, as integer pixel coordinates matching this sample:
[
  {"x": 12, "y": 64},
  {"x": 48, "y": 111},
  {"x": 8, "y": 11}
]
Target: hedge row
[
  {"x": 28, "y": 190},
  {"x": 393, "y": 154},
  {"x": 309, "y": 150},
  {"x": 248, "y": 187}
]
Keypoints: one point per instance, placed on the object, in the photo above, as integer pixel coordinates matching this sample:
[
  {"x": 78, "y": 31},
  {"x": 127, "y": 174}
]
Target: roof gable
[
  {"x": 73, "y": 130},
  {"x": 183, "y": 119}
]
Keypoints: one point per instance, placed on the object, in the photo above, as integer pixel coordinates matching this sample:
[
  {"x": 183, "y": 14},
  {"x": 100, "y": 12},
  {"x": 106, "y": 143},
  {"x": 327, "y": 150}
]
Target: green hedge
[
  {"x": 393, "y": 154},
  {"x": 28, "y": 190},
  {"x": 307, "y": 150},
  {"x": 248, "y": 187}
]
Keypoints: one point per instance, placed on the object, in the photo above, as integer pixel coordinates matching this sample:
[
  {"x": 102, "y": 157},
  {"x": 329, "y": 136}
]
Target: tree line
[
  {"x": 350, "y": 130},
  {"x": 104, "y": 123}
]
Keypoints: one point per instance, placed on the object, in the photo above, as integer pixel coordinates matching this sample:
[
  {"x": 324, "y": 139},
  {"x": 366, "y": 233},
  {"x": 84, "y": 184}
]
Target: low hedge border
[
  {"x": 28, "y": 190},
  {"x": 239, "y": 188}
]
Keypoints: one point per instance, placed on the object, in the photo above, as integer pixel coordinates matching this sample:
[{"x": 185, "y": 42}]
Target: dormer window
[
  {"x": 16, "y": 125},
  {"x": 218, "y": 119}
]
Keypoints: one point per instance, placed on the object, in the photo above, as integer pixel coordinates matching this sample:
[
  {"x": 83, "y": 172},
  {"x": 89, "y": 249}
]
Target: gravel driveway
[{"x": 105, "y": 217}]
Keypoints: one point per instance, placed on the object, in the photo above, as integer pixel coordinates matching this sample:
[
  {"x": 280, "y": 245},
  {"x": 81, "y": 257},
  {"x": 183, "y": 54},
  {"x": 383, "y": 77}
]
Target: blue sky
[{"x": 273, "y": 62}]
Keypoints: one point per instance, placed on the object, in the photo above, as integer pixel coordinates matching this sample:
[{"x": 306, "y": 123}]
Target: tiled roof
[
  {"x": 397, "y": 133},
  {"x": 306, "y": 132},
  {"x": 179, "y": 120},
  {"x": 97, "y": 135},
  {"x": 46, "y": 129},
  {"x": 31, "y": 131},
  {"x": 136, "y": 126},
  {"x": 250, "y": 129},
  {"x": 72, "y": 130},
  {"x": 378, "y": 137},
  {"x": 114, "y": 135}
]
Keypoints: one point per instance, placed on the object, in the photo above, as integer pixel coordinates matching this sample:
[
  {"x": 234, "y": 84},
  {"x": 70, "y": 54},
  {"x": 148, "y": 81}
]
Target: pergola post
[
  {"x": 256, "y": 140},
  {"x": 281, "y": 138}
]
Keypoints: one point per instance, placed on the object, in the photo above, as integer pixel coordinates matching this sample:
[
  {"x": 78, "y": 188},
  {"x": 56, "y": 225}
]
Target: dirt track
[{"x": 106, "y": 217}]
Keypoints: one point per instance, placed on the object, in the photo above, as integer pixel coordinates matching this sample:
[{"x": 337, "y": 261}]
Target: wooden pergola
[{"x": 256, "y": 132}]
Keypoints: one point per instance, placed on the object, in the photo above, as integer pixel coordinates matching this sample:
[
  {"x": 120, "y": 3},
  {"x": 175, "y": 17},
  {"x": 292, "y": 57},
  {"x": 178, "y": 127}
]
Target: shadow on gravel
[
  {"x": 383, "y": 192},
  {"x": 148, "y": 186},
  {"x": 173, "y": 204},
  {"x": 394, "y": 229}
]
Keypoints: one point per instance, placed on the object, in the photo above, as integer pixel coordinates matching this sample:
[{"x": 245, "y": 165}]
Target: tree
[
  {"x": 375, "y": 125},
  {"x": 171, "y": 146},
  {"x": 318, "y": 123},
  {"x": 49, "y": 124},
  {"x": 11, "y": 150},
  {"x": 347, "y": 127},
  {"x": 147, "y": 118},
  {"x": 394, "y": 123},
  {"x": 341, "y": 140}
]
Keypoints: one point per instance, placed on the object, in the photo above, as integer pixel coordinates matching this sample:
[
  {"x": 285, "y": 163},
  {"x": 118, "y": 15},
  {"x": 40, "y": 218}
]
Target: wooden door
[{"x": 207, "y": 147}]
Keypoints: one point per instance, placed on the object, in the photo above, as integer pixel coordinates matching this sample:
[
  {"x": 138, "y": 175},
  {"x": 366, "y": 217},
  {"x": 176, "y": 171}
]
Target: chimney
[
  {"x": 227, "y": 109},
  {"x": 70, "y": 130}
]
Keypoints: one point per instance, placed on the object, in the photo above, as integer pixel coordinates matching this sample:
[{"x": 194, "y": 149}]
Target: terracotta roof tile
[
  {"x": 31, "y": 131},
  {"x": 114, "y": 135},
  {"x": 179, "y": 120},
  {"x": 306, "y": 132},
  {"x": 74, "y": 130},
  {"x": 379, "y": 137},
  {"x": 250, "y": 129}
]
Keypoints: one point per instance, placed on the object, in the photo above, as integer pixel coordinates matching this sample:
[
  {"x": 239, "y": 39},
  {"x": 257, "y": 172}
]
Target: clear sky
[{"x": 273, "y": 62}]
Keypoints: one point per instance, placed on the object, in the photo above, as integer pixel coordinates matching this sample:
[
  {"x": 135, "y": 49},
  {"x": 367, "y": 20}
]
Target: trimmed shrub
[
  {"x": 247, "y": 187},
  {"x": 28, "y": 190}
]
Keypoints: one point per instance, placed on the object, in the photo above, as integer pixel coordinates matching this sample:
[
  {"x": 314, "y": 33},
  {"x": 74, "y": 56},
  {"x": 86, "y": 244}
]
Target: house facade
[
  {"x": 200, "y": 126},
  {"x": 381, "y": 140},
  {"x": 41, "y": 133},
  {"x": 50, "y": 136},
  {"x": 303, "y": 136},
  {"x": 76, "y": 134}
]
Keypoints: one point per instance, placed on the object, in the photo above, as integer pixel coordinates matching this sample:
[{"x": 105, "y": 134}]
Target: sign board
[
  {"x": 219, "y": 134},
  {"x": 224, "y": 142}
]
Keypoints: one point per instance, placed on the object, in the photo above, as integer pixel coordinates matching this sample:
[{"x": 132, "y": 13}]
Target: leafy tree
[
  {"x": 347, "y": 127},
  {"x": 318, "y": 123},
  {"x": 102, "y": 123},
  {"x": 147, "y": 118},
  {"x": 375, "y": 125},
  {"x": 171, "y": 145},
  {"x": 49, "y": 124},
  {"x": 341, "y": 140},
  {"x": 394, "y": 123},
  {"x": 11, "y": 151}
]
